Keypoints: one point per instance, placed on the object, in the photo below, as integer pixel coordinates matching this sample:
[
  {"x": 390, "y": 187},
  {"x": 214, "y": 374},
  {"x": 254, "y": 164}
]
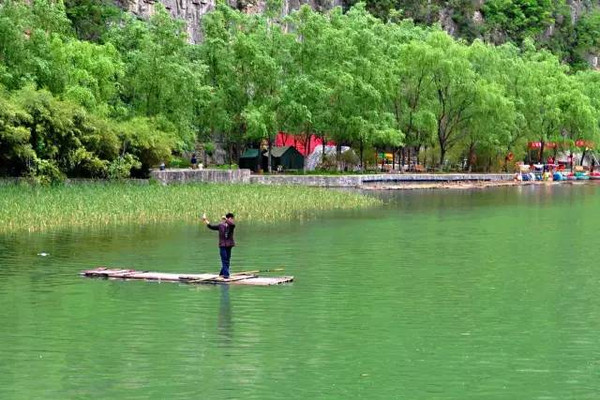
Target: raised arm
[
  {"x": 213, "y": 227},
  {"x": 208, "y": 225}
]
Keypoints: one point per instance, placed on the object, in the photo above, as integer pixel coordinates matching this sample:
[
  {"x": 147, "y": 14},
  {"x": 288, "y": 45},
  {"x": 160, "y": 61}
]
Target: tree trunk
[
  {"x": 442, "y": 154},
  {"x": 270, "y": 156},
  {"x": 470, "y": 157},
  {"x": 402, "y": 157},
  {"x": 323, "y": 155},
  {"x": 361, "y": 149}
]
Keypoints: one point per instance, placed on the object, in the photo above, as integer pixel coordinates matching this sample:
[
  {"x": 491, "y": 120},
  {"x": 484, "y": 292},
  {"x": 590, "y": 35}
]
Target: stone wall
[
  {"x": 361, "y": 180},
  {"x": 243, "y": 176},
  {"x": 169, "y": 176}
]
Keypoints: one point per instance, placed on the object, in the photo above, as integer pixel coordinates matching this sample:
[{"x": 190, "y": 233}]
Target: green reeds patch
[{"x": 35, "y": 208}]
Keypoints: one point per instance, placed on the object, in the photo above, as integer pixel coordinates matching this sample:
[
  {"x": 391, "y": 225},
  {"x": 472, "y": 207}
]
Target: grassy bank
[{"x": 25, "y": 208}]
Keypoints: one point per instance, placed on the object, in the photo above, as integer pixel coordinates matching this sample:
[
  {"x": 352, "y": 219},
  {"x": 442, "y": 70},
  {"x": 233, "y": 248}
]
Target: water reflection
[{"x": 225, "y": 322}]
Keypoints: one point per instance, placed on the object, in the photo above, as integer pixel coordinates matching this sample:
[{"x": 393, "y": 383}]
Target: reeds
[{"x": 31, "y": 208}]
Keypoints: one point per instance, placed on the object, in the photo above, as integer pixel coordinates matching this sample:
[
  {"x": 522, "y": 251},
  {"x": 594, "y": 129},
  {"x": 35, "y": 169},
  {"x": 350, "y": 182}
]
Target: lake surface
[{"x": 491, "y": 294}]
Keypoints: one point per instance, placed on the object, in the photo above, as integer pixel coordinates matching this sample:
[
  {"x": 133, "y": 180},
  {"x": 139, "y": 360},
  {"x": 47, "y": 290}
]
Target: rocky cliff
[{"x": 191, "y": 11}]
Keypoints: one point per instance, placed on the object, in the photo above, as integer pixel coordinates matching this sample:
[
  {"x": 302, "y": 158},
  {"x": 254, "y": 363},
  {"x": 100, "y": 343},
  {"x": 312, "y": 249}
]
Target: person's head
[{"x": 229, "y": 217}]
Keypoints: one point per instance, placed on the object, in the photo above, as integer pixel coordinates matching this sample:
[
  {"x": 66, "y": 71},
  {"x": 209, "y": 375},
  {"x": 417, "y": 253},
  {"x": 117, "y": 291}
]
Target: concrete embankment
[{"x": 366, "y": 180}]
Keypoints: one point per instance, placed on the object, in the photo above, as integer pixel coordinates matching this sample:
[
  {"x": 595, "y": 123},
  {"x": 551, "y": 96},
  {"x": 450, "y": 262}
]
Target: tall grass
[{"x": 27, "y": 208}]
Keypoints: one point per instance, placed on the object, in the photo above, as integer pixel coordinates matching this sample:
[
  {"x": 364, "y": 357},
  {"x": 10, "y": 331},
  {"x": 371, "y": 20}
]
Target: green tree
[
  {"x": 15, "y": 148},
  {"x": 518, "y": 19},
  {"x": 161, "y": 78},
  {"x": 91, "y": 18}
]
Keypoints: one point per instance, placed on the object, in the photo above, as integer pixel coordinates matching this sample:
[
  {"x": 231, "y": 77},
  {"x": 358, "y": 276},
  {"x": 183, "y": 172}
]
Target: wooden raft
[{"x": 234, "y": 279}]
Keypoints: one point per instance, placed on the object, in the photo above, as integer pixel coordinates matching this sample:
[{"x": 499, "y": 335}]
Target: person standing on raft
[{"x": 226, "y": 242}]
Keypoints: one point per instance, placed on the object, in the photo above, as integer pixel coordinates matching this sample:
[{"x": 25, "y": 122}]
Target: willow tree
[
  {"x": 504, "y": 66},
  {"x": 411, "y": 93},
  {"x": 579, "y": 117},
  {"x": 495, "y": 125},
  {"x": 306, "y": 92},
  {"x": 543, "y": 101},
  {"x": 263, "y": 51},
  {"x": 357, "y": 103},
  {"x": 458, "y": 90}
]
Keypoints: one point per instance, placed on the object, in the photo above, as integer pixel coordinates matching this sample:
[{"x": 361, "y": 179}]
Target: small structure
[
  {"x": 251, "y": 159},
  {"x": 283, "y": 158}
]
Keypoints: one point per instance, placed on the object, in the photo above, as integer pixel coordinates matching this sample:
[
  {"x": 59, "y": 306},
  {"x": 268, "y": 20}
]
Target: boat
[
  {"x": 594, "y": 176},
  {"x": 240, "y": 278}
]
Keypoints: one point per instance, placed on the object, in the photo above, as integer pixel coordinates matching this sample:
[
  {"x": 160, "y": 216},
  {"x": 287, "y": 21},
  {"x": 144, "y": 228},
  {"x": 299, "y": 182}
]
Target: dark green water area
[{"x": 486, "y": 294}]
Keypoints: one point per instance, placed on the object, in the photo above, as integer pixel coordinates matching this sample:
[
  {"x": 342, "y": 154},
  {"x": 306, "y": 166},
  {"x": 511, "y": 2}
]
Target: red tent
[
  {"x": 553, "y": 145},
  {"x": 298, "y": 141}
]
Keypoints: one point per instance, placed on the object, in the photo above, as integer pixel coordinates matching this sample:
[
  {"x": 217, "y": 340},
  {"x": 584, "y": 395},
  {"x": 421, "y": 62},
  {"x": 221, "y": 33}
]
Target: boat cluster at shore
[{"x": 547, "y": 173}]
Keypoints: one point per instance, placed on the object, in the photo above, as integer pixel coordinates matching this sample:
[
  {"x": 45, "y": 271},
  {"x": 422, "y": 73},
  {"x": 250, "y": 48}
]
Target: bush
[
  {"x": 46, "y": 172},
  {"x": 179, "y": 162},
  {"x": 121, "y": 167}
]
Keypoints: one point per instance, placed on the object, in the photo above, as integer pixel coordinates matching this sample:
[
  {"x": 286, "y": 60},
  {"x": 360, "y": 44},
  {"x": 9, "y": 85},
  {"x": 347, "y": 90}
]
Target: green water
[{"x": 490, "y": 294}]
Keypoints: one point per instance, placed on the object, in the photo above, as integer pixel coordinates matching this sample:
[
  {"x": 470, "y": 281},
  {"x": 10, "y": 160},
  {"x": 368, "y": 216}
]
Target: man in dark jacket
[{"x": 226, "y": 242}]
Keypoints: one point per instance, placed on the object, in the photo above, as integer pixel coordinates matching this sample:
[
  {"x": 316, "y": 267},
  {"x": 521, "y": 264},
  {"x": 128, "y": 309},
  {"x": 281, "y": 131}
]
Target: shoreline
[
  {"x": 383, "y": 181},
  {"x": 470, "y": 185}
]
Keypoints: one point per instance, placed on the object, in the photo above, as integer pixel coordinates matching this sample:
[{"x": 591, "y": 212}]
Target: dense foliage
[
  {"x": 565, "y": 28},
  {"x": 103, "y": 94},
  {"x": 71, "y": 107}
]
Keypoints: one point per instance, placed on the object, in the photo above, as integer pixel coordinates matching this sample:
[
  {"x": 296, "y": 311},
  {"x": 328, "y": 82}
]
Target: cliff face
[{"x": 191, "y": 11}]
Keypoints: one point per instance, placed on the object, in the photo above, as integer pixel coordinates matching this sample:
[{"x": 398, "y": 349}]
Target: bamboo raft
[{"x": 242, "y": 278}]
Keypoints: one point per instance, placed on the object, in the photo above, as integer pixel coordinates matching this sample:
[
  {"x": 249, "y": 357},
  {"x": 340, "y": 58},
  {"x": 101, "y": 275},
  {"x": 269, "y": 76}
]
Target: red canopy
[
  {"x": 584, "y": 143},
  {"x": 298, "y": 141}
]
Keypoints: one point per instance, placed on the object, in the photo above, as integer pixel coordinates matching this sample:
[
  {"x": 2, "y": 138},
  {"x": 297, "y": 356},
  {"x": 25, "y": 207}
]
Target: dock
[{"x": 243, "y": 278}]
